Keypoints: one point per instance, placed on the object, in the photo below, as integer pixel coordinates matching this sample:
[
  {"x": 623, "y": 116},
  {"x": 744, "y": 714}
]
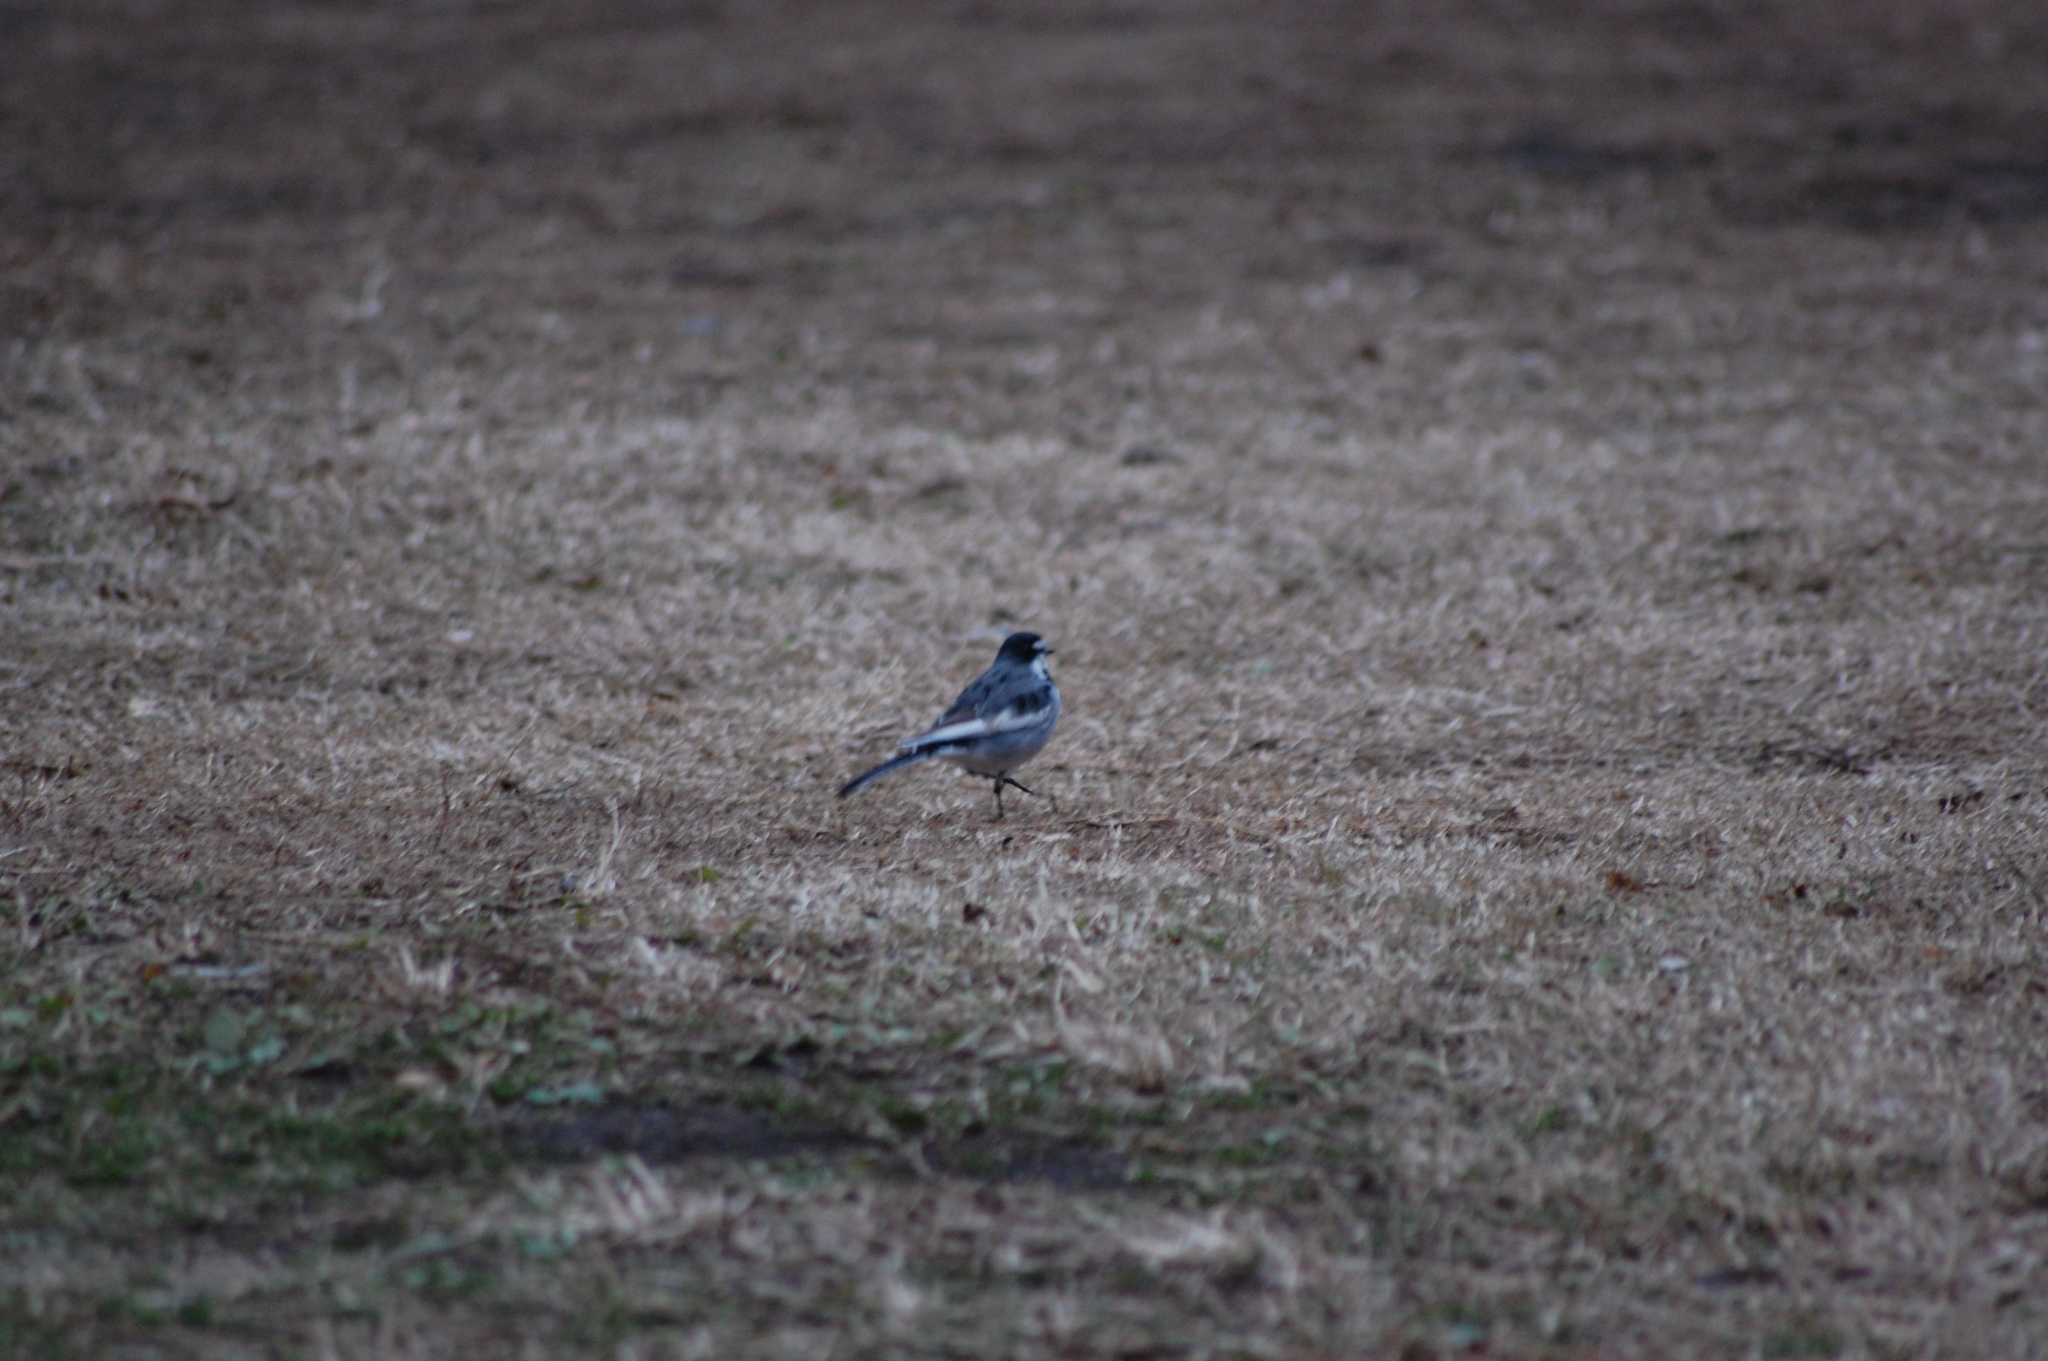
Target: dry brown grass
[{"x": 1546, "y": 527}]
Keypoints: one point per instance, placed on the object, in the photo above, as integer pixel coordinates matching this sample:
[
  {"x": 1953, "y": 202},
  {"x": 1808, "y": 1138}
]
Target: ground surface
[{"x": 1544, "y": 519}]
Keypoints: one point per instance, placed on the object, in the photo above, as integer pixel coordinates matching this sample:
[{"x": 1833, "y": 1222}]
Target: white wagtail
[{"x": 999, "y": 722}]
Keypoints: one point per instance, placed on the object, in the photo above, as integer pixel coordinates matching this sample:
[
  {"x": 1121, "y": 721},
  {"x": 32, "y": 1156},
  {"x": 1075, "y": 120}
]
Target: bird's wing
[
  {"x": 987, "y": 707},
  {"x": 972, "y": 703}
]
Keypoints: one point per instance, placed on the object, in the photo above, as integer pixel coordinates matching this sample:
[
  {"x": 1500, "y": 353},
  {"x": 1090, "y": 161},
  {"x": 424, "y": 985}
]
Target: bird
[{"x": 1001, "y": 720}]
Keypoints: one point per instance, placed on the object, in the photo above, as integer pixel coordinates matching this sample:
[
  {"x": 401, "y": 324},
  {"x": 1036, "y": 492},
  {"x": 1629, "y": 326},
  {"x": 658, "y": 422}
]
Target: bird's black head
[{"x": 1023, "y": 647}]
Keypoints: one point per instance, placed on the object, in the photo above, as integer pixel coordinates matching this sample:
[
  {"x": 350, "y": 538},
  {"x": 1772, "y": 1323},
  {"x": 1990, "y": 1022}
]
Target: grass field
[{"x": 1544, "y": 521}]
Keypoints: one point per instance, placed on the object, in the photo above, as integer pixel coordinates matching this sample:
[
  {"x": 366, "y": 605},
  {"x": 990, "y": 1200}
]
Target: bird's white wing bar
[{"x": 1005, "y": 720}]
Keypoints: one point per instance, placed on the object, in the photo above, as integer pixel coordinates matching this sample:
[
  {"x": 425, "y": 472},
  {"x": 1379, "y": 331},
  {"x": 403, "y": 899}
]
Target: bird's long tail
[{"x": 889, "y": 767}]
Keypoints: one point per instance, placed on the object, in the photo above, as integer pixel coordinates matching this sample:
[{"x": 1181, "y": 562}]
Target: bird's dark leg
[
  {"x": 1002, "y": 780},
  {"x": 999, "y": 798}
]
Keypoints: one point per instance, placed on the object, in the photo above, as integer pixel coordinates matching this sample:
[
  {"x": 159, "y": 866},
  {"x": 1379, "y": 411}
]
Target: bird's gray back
[{"x": 993, "y": 692}]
